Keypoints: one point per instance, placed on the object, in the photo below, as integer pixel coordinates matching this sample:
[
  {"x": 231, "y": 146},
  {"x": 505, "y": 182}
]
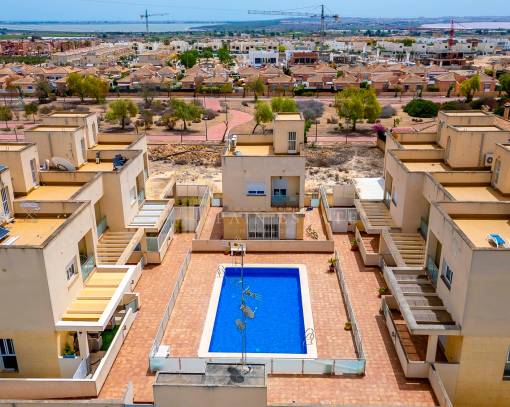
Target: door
[
  {"x": 290, "y": 227},
  {"x": 292, "y": 142}
]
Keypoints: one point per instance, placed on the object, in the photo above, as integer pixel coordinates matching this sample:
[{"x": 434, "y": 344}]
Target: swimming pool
[{"x": 282, "y": 310}]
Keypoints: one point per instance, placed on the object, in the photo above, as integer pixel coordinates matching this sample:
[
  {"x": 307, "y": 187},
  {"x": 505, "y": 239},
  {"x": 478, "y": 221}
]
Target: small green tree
[
  {"x": 121, "y": 110},
  {"x": 188, "y": 58},
  {"x": 256, "y": 86},
  {"x": 469, "y": 87},
  {"x": 263, "y": 114},
  {"x": 421, "y": 108},
  {"x": 5, "y": 115},
  {"x": 281, "y": 104},
  {"x": 148, "y": 93},
  {"x": 181, "y": 110},
  {"x": 42, "y": 90},
  {"x": 76, "y": 85},
  {"x": 504, "y": 82},
  {"x": 398, "y": 89},
  {"x": 147, "y": 119},
  {"x": 96, "y": 88},
  {"x": 355, "y": 104},
  {"x": 224, "y": 55},
  {"x": 31, "y": 109}
]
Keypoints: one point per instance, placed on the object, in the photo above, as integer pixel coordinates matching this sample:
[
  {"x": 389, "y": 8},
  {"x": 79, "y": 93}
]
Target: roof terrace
[
  {"x": 56, "y": 128},
  {"x": 31, "y": 230}
]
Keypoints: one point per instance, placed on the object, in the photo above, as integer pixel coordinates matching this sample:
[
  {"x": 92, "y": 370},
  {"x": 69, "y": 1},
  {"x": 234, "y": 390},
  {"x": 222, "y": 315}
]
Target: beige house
[
  {"x": 263, "y": 182},
  {"x": 441, "y": 236}
]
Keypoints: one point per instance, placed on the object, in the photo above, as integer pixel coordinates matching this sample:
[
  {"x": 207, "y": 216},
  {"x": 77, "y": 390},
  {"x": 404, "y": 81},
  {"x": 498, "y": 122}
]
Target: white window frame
[
  {"x": 256, "y": 189},
  {"x": 5, "y": 201},
  {"x": 292, "y": 142},
  {"x": 394, "y": 195},
  {"x": 506, "y": 370},
  {"x": 71, "y": 270},
  {"x": 447, "y": 275},
  {"x": 9, "y": 351},
  {"x": 133, "y": 195},
  {"x": 263, "y": 227},
  {"x": 33, "y": 169}
]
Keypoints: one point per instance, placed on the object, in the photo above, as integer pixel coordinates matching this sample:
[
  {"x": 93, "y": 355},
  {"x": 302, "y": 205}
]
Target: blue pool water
[{"x": 278, "y": 326}]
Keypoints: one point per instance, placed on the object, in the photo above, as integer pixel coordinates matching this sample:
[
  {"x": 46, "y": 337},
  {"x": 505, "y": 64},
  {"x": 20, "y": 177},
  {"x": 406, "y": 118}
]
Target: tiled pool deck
[{"x": 384, "y": 383}]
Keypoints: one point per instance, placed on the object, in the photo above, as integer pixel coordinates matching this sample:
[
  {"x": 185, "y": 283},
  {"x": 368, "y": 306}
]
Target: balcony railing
[
  {"x": 154, "y": 243},
  {"x": 101, "y": 226},
  {"x": 283, "y": 201},
  {"x": 87, "y": 264},
  {"x": 432, "y": 270},
  {"x": 424, "y": 228}
]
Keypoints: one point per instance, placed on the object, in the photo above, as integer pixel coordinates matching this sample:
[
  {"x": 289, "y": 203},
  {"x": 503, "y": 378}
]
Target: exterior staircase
[
  {"x": 410, "y": 247},
  {"x": 116, "y": 247}
]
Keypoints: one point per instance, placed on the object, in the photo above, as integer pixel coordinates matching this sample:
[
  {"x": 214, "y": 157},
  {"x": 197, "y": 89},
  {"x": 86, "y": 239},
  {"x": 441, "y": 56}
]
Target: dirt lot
[{"x": 326, "y": 165}]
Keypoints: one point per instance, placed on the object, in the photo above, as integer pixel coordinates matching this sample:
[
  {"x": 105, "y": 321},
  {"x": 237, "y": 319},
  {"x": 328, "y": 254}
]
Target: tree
[
  {"x": 121, "y": 110},
  {"x": 263, "y": 114},
  {"x": 147, "y": 119},
  {"x": 42, "y": 89},
  {"x": 504, "y": 82},
  {"x": 31, "y": 109},
  {"x": 312, "y": 109},
  {"x": 469, "y": 87},
  {"x": 5, "y": 115},
  {"x": 206, "y": 53},
  {"x": 181, "y": 110},
  {"x": 257, "y": 87},
  {"x": 148, "y": 94},
  {"x": 280, "y": 105},
  {"x": 421, "y": 108},
  {"x": 281, "y": 48},
  {"x": 356, "y": 104},
  {"x": 96, "y": 88},
  {"x": 76, "y": 85},
  {"x": 188, "y": 58},
  {"x": 398, "y": 89},
  {"x": 224, "y": 55}
]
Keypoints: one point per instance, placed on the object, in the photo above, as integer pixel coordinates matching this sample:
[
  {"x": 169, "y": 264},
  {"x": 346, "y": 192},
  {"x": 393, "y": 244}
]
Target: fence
[
  {"x": 338, "y": 218},
  {"x": 169, "y": 308},
  {"x": 350, "y": 312},
  {"x": 192, "y": 215}
]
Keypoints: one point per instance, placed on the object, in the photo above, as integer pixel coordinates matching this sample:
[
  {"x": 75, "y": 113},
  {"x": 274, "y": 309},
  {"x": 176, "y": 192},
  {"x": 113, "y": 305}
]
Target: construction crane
[
  {"x": 320, "y": 14},
  {"x": 146, "y": 17}
]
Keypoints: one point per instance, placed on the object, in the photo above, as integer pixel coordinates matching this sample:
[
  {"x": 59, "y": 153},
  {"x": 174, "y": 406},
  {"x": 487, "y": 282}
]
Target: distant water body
[
  {"x": 481, "y": 25},
  {"x": 104, "y": 27}
]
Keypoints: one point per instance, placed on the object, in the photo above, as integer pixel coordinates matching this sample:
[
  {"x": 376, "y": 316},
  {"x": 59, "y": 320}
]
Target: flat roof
[
  {"x": 477, "y": 228},
  {"x": 68, "y": 114},
  {"x": 465, "y": 114},
  {"x": 31, "y": 231},
  {"x": 51, "y": 193},
  {"x": 369, "y": 188},
  {"x": 473, "y": 192},
  {"x": 420, "y": 146},
  {"x": 12, "y": 147},
  {"x": 426, "y": 166},
  {"x": 54, "y": 128},
  {"x": 477, "y": 128},
  {"x": 91, "y": 166},
  {"x": 288, "y": 116},
  {"x": 252, "y": 150},
  {"x": 111, "y": 146}
]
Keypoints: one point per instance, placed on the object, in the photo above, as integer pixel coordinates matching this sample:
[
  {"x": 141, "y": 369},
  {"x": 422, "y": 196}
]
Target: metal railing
[
  {"x": 101, "y": 226},
  {"x": 169, "y": 308},
  {"x": 87, "y": 265},
  {"x": 424, "y": 228},
  {"x": 284, "y": 201},
  {"x": 350, "y": 312}
]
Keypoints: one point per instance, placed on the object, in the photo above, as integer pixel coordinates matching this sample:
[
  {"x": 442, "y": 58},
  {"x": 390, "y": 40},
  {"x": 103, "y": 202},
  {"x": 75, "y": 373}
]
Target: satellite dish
[{"x": 63, "y": 164}]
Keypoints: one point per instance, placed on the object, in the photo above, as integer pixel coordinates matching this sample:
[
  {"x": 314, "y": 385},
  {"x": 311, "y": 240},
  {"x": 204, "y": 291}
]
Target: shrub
[
  {"x": 484, "y": 101},
  {"x": 421, "y": 108},
  {"x": 387, "y": 112},
  {"x": 455, "y": 105},
  {"x": 209, "y": 114}
]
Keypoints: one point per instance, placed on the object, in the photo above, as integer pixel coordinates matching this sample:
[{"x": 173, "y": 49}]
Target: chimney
[{"x": 506, "y": 112}]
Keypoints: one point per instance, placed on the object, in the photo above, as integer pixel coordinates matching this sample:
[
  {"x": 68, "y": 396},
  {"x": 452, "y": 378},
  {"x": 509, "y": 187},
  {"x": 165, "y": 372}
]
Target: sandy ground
[{"x": 326, "y": 165}]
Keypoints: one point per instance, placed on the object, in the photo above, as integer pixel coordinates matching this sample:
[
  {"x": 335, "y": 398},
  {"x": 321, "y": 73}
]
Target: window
[
  {"x": 83, "y": 148},
  {"x": 394, "y": 196},
  {"x": 447, "y": 275},
  {"x": 7, "y": 355},
  {"x": 33, "y": 169},
  {"x": 263, "y": 227},
  {"x": 5, "y": 202},
  {"x": 132, "y": 195},
  {"x": 71, "y": 270},
  {"x": 506, "y": 372},
  {"x": 255, "y": 189},
  {"x": 292, "y": 141}
]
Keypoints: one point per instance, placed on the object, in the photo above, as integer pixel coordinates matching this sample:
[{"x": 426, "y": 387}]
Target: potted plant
[
  {"x": 382, "y": 291},
  {"x": 226, "y": 252},
  {"x": 332, "y": 264},
  {"x": 348, "y": 326},
  {"x": 69, "y": 353},
  {"x": 354, "y": 245}
]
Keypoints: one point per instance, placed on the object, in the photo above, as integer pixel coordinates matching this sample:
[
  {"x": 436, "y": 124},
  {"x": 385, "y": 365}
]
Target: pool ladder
[{"x": 309, "y": 336}]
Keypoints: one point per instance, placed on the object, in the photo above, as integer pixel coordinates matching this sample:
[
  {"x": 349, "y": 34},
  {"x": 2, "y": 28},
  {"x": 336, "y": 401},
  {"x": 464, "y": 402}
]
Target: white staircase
[{"x": 116, "y": 247}]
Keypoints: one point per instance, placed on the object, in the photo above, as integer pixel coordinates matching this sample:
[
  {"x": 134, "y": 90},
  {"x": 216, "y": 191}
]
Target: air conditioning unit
[{"x": 489, "y": 158}]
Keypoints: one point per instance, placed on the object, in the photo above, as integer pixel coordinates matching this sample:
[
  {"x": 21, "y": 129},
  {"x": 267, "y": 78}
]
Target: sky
[{"x": 217, "y": 10}]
